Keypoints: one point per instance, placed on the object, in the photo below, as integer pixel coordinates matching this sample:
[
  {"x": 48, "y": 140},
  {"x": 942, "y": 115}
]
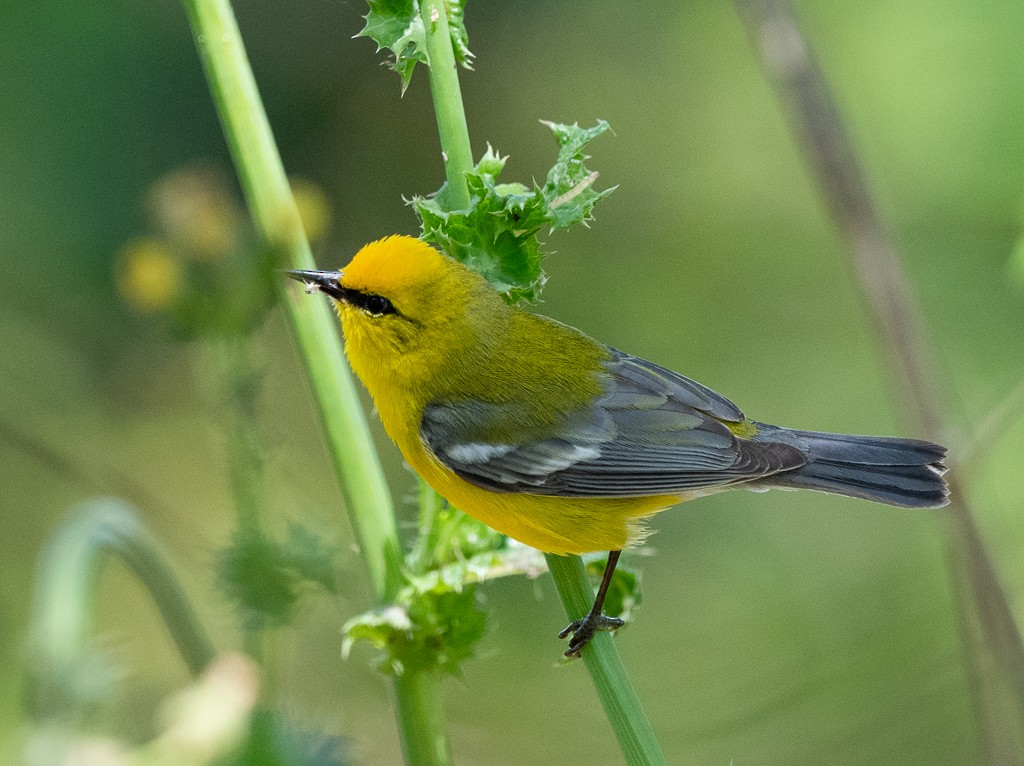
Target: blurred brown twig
[{"x": 915, "y": 373}]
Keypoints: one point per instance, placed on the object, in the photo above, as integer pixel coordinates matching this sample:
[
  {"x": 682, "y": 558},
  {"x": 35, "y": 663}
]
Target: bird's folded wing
[{"x": 651, "y": 432}]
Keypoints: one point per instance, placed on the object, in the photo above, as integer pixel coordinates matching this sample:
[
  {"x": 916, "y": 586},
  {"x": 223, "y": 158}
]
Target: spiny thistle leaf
[
  {"x": 435, "y": 622},
  {"x": 426, "y": 630},
  {"x": 569, "y": 191},
  {"x": 457, "y": 28},
  {"x": 497, "y": 234},
  {"x": 265, "y": 578},
  {"x": 398, "y": 26}
]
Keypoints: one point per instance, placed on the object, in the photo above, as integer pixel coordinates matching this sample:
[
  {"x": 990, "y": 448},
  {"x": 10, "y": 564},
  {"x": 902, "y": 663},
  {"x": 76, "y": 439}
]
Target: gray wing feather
[
  {"x": 652, "y": 432},
  {"x": 643, "y": 377}
]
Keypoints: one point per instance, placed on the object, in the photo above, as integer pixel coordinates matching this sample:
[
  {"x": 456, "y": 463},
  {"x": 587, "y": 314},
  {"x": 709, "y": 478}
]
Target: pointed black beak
[{"x": 328, "y": 282}]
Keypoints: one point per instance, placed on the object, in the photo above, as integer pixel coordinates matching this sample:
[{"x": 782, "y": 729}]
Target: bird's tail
[{"x": 901, "y": 472}]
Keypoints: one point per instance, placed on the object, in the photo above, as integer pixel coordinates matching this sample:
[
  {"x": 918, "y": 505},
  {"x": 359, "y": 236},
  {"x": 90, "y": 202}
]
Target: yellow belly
[{"x": 551, "y": 524}]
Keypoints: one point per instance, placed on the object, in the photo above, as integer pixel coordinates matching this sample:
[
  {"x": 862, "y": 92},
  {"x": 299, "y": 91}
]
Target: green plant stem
[
  {"x": 447, "y": 95},
  {"x": 236, "y": 376},
  {"x": 348, "y": 438},
  {"x": 273, "y": 210},
  {"x": 621, "y": 705},
  {"x": 430, "y": 504},
  {"x": 236, "y": 388},
  {"x": 65, "y": 594},
  {"x": 421, "y": 719},
  {"x": 457, "y": 154},
  {"x": 624, "y": 711}
]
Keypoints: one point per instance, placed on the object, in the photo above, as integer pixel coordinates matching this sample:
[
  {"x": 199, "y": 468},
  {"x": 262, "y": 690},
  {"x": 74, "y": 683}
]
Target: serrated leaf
[
  {"x": 250, "y": 572},
  {"x": 396, "y": 25},
  {"x": 266, "y": 578},
  {"x": 455, "y": 538},
  {"x": 513, "y": 559},
  {"x": 569, "y": 191},
  {"x": 432, "y": 629},
  {"x": 460, "y": 37},
  {"x": 310, "y": 557},
  {"x": 497, "y": 234},
  {"x": 435, "y": 621}
]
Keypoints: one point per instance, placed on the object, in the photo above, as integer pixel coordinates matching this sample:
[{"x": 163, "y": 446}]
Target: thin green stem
[
  {"x": 65, "y": 594},
  {"x": 617, "y": 695},
  {"x": 236, "y": 388},
  {"x": 273, "y": 209},
  {"x": 458, "y": 160},
  {"x": 447, "y": 95},
  {"x": 421, "y": 719},
  {"x": 236, "y": 378},
  {"x": 621, "y": 705},
  {"x": 430, "y": 504}
]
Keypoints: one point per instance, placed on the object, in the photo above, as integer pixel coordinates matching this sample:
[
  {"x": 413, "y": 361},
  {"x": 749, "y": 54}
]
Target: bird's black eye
[{"x": 378, "y": 305}]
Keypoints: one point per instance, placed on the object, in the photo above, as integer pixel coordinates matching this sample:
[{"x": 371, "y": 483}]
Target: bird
[{"x": 560, "y": 441}]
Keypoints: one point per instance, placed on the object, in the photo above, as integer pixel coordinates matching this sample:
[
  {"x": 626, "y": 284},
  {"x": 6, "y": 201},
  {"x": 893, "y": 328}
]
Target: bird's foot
[{"x": 583, "y": 630}]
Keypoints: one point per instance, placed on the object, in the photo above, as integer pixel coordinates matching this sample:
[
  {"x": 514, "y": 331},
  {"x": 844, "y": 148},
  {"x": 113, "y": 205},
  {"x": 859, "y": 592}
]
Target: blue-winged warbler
[{"x": 562, "y": 442}]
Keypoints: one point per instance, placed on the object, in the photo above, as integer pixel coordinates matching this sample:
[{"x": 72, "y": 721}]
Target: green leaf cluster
[
  {"x": 397, "y": 25},
  {"x": 435, "y": 622},
  {"x": 497, "y": 234},
  {"x": 424, "y": 630},
  {"x": 452, "y": 537}
]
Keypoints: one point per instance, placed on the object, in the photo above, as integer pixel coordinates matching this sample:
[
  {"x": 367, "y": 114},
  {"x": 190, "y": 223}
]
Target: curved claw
[{"x": 585, "y": 629}]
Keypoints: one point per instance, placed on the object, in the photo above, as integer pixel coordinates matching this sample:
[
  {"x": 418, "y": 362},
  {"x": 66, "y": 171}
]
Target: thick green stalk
[
  {"x": 621, "y": 705},
  {"x": 65, "y": 593},
  {"x": 355, "y": 460},
  {"x": 447, "y": 95},
  {"x": 421, "y": 719},
  {"x": 273, "y": 209}
]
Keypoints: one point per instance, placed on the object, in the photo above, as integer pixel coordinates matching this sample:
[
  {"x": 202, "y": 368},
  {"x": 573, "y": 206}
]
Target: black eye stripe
[{"x": 371, "y": 303}]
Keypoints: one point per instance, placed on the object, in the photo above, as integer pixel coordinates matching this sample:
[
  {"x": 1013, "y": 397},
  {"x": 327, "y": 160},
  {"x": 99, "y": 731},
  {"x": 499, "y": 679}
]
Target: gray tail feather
[{"x": 901, "y": 472}]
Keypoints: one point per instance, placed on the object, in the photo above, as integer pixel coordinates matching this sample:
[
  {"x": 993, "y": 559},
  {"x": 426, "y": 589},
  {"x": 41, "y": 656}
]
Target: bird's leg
[{"x": 583, "y": 630}]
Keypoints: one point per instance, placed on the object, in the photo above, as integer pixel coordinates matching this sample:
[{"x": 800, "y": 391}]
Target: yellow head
[
  {"x": 406, "y": 310},
  {"x": 400, "y": 268}
]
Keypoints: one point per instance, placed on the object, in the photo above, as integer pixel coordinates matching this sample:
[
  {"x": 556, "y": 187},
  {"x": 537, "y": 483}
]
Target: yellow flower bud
[{"x": 148, "y": 277}]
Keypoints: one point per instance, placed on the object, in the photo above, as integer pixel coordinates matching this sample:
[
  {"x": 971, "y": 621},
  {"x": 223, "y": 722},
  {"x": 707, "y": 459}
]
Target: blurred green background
[{"x": 785, "y": 628}]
